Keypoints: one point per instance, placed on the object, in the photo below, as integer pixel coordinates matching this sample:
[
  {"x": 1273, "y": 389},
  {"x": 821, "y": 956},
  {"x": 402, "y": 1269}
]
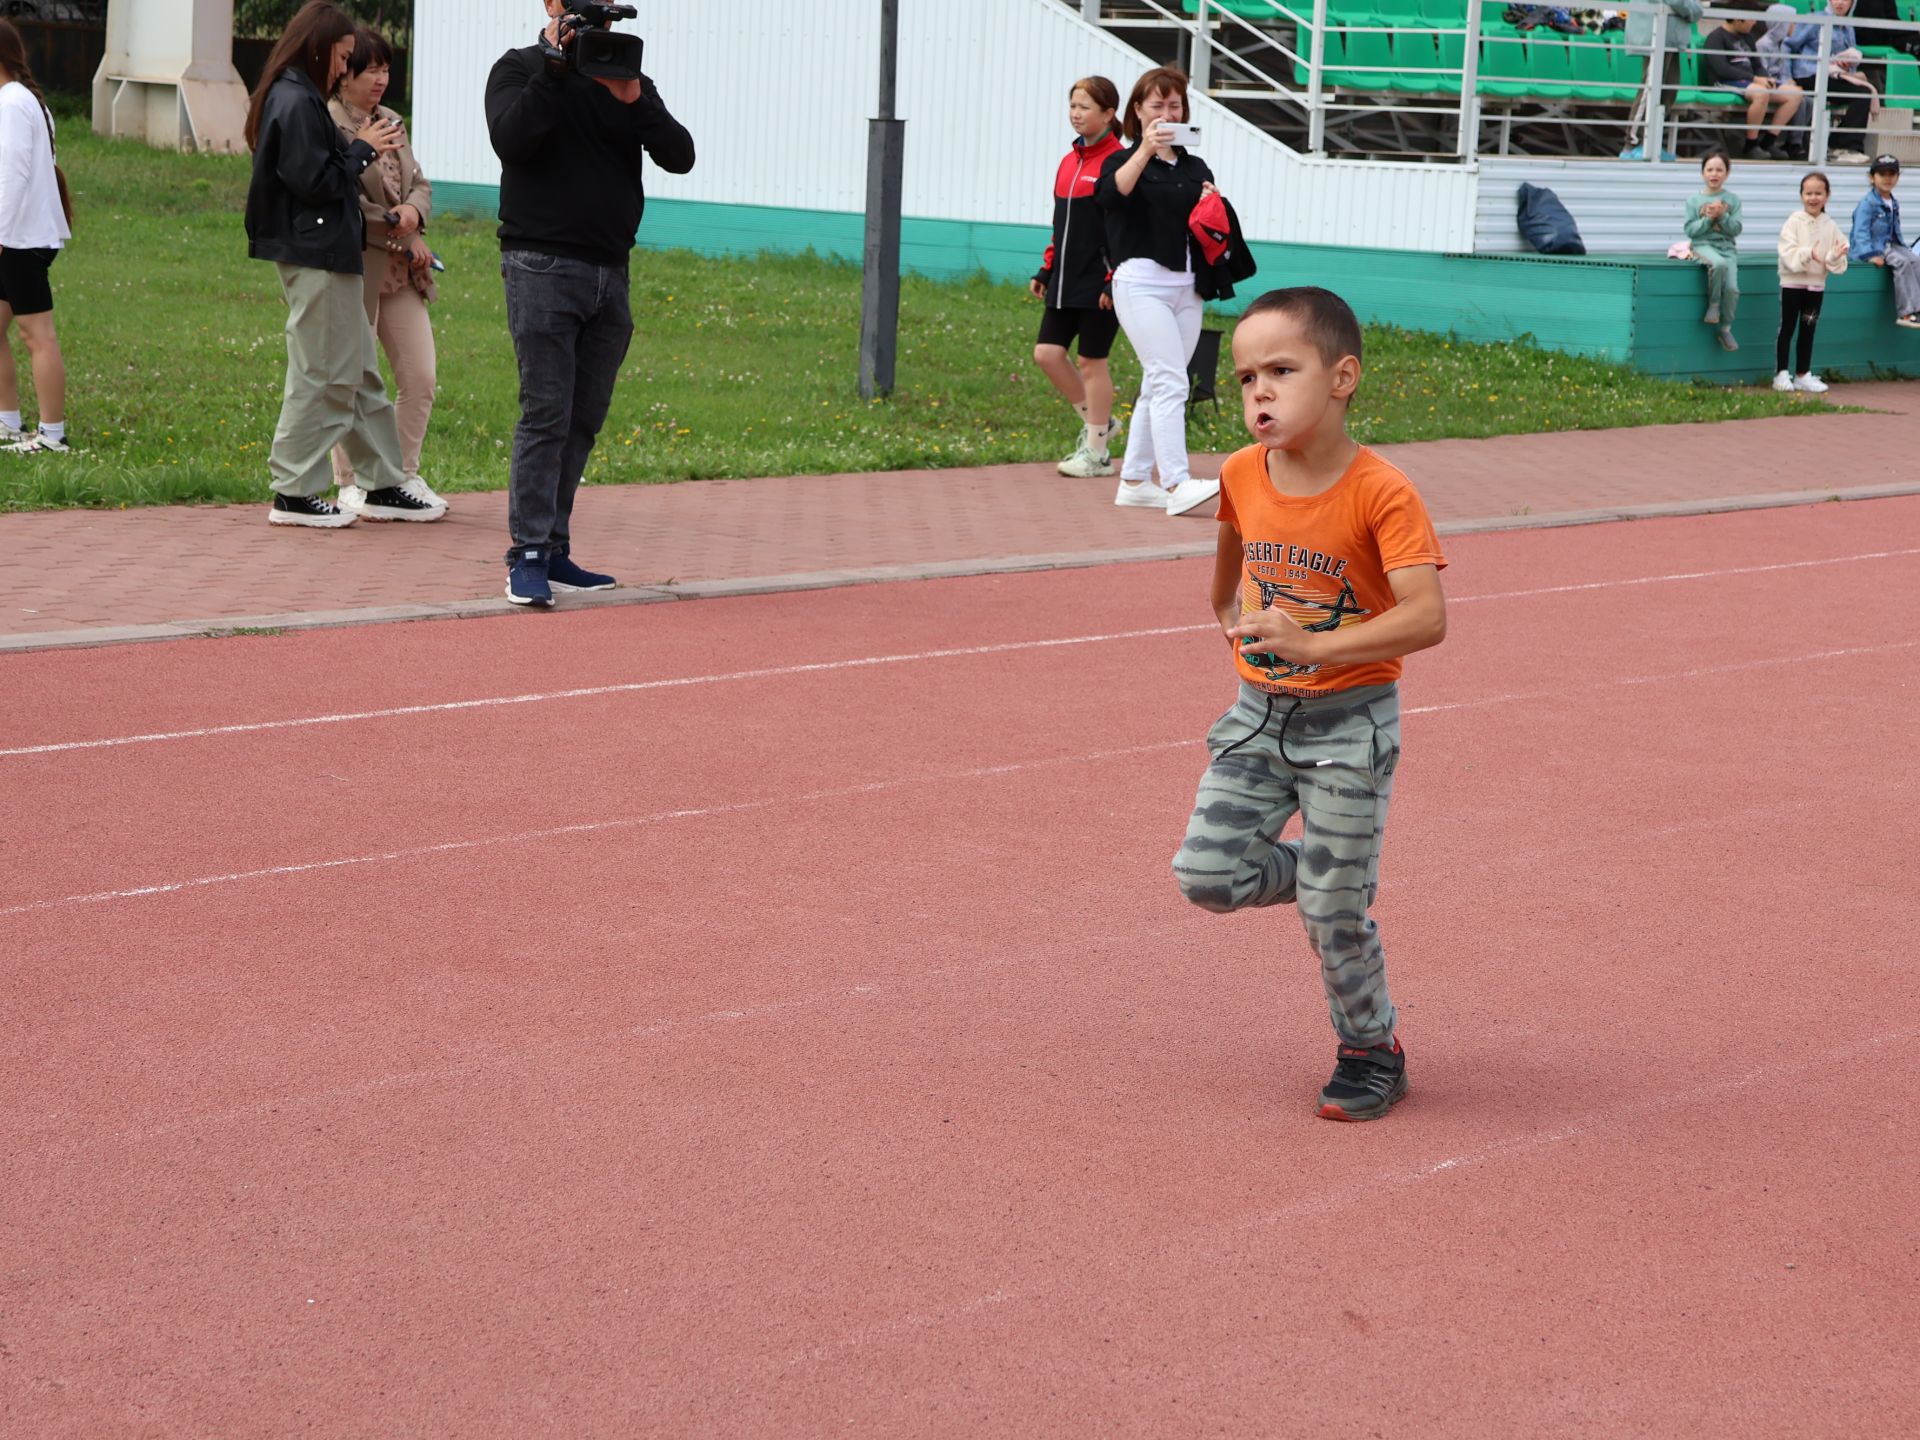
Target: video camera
[{"x": 597, "y": 50}]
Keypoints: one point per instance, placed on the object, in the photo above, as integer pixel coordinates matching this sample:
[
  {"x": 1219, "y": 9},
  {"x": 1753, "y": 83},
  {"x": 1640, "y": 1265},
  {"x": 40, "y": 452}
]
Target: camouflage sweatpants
[{"x": 1337, "y": 771}]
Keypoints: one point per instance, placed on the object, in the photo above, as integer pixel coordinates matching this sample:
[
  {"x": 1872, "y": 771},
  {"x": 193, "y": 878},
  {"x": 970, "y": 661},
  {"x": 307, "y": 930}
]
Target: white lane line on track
[
  {"x": 591, "y": 827},
  {"x": 984, "y": 772},
  {"x": 1684, "y": 575},
  {"x": 860, "y": 662},
  {"x": 1226, "y": 1237}
]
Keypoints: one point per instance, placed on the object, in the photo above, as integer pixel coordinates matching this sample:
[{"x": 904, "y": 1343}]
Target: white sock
[
  {"x": 54, "y": 429},
  {"x": 1081, "y": 411},
  {"x": 10, "y": 419}
]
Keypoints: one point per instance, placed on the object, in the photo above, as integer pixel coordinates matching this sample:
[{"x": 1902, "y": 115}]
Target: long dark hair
[
  {"x": 13, "y": 59},
  {"x": 315, "y": 29}
]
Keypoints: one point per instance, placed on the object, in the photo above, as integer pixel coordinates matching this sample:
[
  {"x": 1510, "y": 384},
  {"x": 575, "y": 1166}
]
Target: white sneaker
[
  {"x": 1086, "y": 464},
  {"x": 1783, "y": 381},
  {"x": 1191, "y": 495},
  {"x": 352, "y": 499},
  {"x": 39, "y": 443},
  {"x": 1846, "y": 157},
  {"x": 1809, "y": 383},
  {"x": 422, "y": 492},
  {"x": 1144, "y": 493}
]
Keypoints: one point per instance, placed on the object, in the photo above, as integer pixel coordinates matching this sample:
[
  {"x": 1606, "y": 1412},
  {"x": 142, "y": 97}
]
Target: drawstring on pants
[{"x": 1281, "y": 738}]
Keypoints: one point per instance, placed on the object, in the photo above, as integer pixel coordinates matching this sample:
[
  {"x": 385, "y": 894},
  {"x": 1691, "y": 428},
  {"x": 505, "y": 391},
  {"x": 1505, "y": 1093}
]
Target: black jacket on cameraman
[
  {"x": 570, "y": 158},
  {"x": 303, "y": 206},
  {"x": 1151, "y": 223}
]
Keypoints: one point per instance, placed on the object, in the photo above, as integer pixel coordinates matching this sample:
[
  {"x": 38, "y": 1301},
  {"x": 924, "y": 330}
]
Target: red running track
[{"x": 851, "y": 1065}]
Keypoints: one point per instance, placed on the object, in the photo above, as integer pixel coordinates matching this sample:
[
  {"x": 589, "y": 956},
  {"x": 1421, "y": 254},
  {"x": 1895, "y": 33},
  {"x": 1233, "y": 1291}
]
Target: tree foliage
[{"x": 264, "y": 19}]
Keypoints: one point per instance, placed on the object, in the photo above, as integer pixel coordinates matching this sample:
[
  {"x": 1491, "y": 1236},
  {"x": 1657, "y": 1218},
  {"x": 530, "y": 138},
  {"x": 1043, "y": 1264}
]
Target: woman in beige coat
[{"x": 397, "y": 202}]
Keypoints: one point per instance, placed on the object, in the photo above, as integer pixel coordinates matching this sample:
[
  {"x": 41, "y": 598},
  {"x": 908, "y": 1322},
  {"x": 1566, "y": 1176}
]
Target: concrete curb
[{"x": 226, "y": 625}]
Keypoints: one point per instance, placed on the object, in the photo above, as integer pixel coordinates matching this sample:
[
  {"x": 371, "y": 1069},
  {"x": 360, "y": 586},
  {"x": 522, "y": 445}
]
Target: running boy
[{"x": 1327, "y": 572}]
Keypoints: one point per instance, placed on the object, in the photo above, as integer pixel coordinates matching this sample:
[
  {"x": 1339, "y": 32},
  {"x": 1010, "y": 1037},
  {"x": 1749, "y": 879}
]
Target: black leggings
[{"x": 1799, "y": 312}]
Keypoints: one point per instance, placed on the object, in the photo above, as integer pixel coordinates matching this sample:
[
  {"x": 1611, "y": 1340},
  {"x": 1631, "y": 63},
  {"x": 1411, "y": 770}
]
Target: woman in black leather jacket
[{"x": 303, "y": 213}]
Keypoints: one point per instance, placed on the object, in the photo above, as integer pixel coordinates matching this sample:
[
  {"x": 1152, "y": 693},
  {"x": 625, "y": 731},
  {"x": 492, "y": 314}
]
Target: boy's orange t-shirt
[{"x": 1323, "y": 559}]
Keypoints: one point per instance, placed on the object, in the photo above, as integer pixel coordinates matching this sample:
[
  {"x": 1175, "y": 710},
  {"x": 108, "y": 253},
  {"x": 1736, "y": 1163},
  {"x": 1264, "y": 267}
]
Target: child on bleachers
[
  {"x": 1731, "y": 60},
  {"x": 1846, "y": 86},
  {"x": 1878, "y": 241},
  {"x": 1713, "y": 227},
  {"x": 1811, "y": 249}
]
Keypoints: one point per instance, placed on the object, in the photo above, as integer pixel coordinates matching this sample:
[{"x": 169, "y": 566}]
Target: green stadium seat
[
  {"x": 1503, "y": 66},
  {"x": 1416, "y": 57},
  {"x": 1692, "y": 93},
  {"x": 1592, "y": 57},
  {"x": 1550, "y": 63},
  {"x": 1367, "y": 64},
  {"x": 1252, "y": 9},
  {"x": 1903, "y": 86},
  {"x": 1333, "y": 55}
]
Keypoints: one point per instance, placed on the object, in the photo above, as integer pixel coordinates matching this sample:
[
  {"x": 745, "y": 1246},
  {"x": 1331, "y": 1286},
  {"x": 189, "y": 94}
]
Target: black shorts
[
  {"x": 23, "y": 280},
  {"x": 1096, "y": 329}
]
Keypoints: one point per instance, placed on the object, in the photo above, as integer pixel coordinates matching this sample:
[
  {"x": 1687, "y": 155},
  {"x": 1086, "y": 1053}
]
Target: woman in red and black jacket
[
  {"x": 1073, "y": 279},
  {"x": 1160, "y": 278}
]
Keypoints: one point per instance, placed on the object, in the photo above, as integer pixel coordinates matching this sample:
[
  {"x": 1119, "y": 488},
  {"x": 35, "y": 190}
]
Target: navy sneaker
[
  {"x": 1366, "y": 1083},
  {"x": 527, "y": 578},
  {"x": 563, "y": 574}
]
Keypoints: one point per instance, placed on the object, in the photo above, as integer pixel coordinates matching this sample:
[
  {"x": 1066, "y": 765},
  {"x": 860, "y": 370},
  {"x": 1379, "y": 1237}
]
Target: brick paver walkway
[{"x": 92, "y": 577}]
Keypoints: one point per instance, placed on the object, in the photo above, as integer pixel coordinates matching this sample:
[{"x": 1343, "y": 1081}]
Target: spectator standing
[
  {"x": 1846, "y": 86},
  {"x": 1732, "y": 62},
  {"x": 303, "y": 214},
  {"x": 35, "y": 212},
  {"x": 396, "y": 202},
  {"x": 1073, "y": 279},
  {"x": 1713, "y": 227},
  {"x": 1877, "y": 239},
  {"x": 571, "y": 198},
  {"x": 1678, "y": 19},
  {"x": 1811, "y": 249},
  {"x": 1148, "y": 194}
]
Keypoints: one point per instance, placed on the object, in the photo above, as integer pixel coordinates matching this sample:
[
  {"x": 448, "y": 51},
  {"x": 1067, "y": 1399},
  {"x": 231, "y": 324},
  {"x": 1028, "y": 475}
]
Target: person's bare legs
[
  {"x": 1097, "y": 384},
  {"x": 49, "y": 367},
  {"x": 1759, "y": 92},
  {"x": 1790, "y": 97},
  {"x": 9, "y": 376},
  {"x": 1054, "y": 364}
]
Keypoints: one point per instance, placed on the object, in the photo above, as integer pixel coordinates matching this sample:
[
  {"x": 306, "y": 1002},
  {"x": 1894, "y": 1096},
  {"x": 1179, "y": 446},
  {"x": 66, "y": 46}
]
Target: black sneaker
[
  {"x": 527, "y": 579},
  {"x": 310, "y": 510},
  {"x": 1366, "y": 1083},
  {"x": 563, "y": 574},
  {"x": 395, "y": 503}
]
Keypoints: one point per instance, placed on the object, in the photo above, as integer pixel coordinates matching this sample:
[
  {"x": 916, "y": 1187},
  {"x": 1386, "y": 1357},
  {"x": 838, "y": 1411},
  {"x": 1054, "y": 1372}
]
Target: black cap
[{"x": 1884, "y": 163}]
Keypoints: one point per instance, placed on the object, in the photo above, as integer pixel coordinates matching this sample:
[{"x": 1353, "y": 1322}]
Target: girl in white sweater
[
  {"x": 33, "y": 231},
  {"x": 1811, "y": 248}
]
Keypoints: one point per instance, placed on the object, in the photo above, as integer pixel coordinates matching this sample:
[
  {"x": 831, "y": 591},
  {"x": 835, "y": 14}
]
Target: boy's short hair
[{"x": 1329, "y": 322}]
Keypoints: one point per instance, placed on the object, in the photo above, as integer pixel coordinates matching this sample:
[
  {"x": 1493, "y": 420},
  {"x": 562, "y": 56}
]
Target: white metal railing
[{"x": 1261, "y": 45}]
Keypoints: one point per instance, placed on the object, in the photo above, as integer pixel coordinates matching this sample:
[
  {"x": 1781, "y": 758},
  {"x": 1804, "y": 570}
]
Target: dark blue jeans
[{"x": 570, "y": 325}]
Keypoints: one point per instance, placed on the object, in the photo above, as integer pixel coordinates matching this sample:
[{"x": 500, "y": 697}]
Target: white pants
[{"x": 1162, "y": 325}]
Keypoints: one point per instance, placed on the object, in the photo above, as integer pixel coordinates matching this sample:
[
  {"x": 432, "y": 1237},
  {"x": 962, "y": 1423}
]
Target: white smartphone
[{"x": 1187, "y": 137}]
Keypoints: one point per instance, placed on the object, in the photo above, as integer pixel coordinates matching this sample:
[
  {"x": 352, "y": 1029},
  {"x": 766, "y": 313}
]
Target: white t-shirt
[{"x": 30, "y": 215}]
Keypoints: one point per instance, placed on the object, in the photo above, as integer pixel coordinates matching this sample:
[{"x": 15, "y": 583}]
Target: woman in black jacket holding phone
[
  {"x": 1148, "y": 194},
  {"x": 303, "y": 213}
]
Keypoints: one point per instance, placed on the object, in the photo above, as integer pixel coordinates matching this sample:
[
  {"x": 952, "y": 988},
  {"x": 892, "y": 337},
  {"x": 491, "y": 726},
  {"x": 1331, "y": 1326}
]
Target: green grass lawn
[{"x": 739, "y": 367}]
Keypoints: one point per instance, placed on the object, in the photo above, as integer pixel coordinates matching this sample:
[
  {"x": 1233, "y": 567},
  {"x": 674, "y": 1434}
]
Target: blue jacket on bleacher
[
  {"x": 1804, "y": 46},
  {"x": 1876, "y": 225}
]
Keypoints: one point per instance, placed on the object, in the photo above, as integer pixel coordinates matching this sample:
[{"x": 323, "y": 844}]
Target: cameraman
[{"x": 570, "y": 204}]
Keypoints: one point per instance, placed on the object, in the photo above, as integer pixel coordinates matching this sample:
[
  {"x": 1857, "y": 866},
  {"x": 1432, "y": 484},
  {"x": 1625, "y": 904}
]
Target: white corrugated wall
[
  {"x": 777, "y": 94},
  {"x": 1624, "y": 207}
]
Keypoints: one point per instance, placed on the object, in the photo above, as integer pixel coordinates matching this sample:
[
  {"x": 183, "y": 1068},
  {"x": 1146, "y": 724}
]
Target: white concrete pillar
[{"x": 168, "y": 77}]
